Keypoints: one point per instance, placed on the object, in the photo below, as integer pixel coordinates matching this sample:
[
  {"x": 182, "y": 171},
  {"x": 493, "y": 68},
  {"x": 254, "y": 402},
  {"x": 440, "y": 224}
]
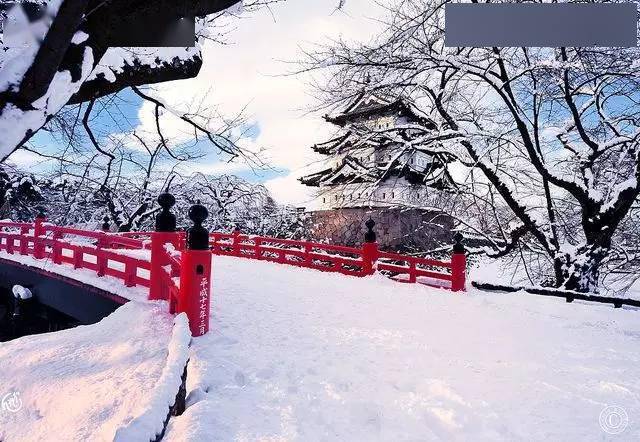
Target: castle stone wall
[{"x": 396, "y": 228}]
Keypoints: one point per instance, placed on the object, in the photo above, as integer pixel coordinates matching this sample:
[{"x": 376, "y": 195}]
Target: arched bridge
[{"x": 176, "y": 266}]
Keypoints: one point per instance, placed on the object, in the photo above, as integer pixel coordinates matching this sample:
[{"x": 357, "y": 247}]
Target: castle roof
[
  {"x": 357, "y": 136},
  {"x": 351, "y": 170},
  {"x": 368, "y": 103}
]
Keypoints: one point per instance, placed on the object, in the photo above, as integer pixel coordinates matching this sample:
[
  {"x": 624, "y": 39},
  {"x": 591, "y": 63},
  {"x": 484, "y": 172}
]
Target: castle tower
[
  {"x": 372, "y": 169},
  {"x": 368, "y": 162}
]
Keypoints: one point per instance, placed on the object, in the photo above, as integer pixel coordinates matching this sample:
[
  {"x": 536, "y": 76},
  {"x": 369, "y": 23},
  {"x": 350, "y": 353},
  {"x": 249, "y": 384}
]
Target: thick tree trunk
[{"x": 580, "y": 271}]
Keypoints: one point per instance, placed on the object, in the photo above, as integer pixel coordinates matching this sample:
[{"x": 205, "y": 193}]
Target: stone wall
[{"x": 396, "y": 229}]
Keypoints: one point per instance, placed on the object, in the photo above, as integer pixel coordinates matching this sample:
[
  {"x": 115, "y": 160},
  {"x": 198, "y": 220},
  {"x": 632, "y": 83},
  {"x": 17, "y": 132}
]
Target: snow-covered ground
[
  {"x": 503, "y": 271},
  {"x": 87, "y": 383},
  {"x": 296, "y": 354}
]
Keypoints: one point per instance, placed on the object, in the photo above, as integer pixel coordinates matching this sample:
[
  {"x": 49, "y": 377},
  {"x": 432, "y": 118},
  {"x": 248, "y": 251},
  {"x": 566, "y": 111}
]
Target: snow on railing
[
  {"x": 156, "y": 264},
  {"x": 327, "y": 258},
  {"x": 97, "y": 251},
  {"x": 351, "y": 261},
  {"x": 176, "y": 267}
]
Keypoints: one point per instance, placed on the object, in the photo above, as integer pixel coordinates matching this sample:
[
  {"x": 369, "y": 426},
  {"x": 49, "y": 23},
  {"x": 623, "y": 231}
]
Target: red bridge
[{"x": 176, "y": 266}]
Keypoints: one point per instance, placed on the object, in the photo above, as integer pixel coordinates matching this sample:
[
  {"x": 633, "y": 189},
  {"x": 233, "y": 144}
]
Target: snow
[
  {"x": 116, "y": 60},
  {"x": 21, "y": 292},
  {"x": 14, "y": 122},
  {"x": 156, "y": 406},
  {"x": 107, "y": 283},
  {"x": 296, "y": 354},
  {"x": 87, "y": 382},
  {"x": 79, "y": 37}
]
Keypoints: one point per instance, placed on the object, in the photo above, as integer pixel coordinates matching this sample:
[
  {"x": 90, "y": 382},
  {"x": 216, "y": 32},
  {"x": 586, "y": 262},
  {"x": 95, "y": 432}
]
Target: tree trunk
[{"x": 580, "y": 271}]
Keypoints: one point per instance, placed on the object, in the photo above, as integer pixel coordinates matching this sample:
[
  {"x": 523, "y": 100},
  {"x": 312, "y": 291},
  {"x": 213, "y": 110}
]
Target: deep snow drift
[
  {"x": 83, "y": 384},
  {"x": 298, "y": 354}
]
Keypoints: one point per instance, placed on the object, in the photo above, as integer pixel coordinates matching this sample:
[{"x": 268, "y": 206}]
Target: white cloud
[
  {"x": 215, "y": 168},
  {"x": 247, "y": 72},
  {"x": 26, "y": 159},
  {"x": 288, "y": 189}
]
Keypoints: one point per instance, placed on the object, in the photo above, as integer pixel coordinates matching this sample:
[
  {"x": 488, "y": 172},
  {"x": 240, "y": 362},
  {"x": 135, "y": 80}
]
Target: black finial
[
  {"x": 458, "y": 247},
  {"x": 370, "y": 235},
  {"x": 41, "y": 213},
  {"x": 165, "y": 220},
  {"x": 198, "y": 235},
  {"x": 105, "y": 224}
]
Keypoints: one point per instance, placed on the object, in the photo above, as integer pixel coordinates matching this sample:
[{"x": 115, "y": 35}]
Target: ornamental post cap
[
  {"x": 370, "y": 224},
  {"x": 198, "y": 213},
  {"x": 166, "y": 200},
  {"x": 458, "y": 247},
  {"x": 370, "y": 235},
  {"x": 105, "y": 223},
  {"x": 165, "y": 220},
  {"x": 198, "y": 235}
]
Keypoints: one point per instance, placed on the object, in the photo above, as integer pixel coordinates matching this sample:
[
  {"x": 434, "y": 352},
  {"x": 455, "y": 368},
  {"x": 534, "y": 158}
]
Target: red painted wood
[
  {"x": 195, "y": 289},
  {"x": 178, "y": 279}
]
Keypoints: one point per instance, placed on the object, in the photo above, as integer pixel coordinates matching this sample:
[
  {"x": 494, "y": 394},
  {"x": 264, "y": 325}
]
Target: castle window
[
  {"x": 384, "y": 195},
  {"x": 324, "y": 199},
  {"x": 392, "y": 195}
]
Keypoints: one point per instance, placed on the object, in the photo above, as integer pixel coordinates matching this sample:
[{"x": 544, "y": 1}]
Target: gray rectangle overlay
[{"x": 541, "y": 24}]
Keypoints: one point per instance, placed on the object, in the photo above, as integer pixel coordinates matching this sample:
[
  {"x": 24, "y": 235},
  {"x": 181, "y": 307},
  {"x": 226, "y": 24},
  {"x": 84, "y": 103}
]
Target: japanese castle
[{"x": 369, "y": 164}]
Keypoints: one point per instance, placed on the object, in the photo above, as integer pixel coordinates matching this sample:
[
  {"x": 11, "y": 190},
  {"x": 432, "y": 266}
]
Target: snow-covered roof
[
  {"x": 368, "y": 103},
  {"x": 351, "y": 170}
]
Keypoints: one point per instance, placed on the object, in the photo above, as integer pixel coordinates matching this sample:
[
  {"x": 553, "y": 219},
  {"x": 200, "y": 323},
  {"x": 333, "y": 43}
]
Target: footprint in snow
[
  {"x": 240, "y": 379},
  {"x": 265, "y": 373}
]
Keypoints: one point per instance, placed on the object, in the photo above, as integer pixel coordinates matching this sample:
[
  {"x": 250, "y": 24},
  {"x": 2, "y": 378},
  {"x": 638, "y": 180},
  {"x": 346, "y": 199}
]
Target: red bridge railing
[
  {"x": 105, "y": 254},
  {"x": 176, "y": 266},
  {"x": 351, "y": 261}
]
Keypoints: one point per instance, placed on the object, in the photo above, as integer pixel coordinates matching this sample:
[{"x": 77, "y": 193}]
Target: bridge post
[
  {"x": 38, "y": 230},
  {"x": 369, "y": 249},
  {"x": 236, "y": 241},
  {"x": 458, "y": 264},
  {"x": 56, "y": 251},
  {"x": 165, "y": 229},
  {"x": 102, "y": 243},
  {"x": 195, "y": 277},
  {"x": 105, "y": 227},
  {"x": 24, "y": 231}
]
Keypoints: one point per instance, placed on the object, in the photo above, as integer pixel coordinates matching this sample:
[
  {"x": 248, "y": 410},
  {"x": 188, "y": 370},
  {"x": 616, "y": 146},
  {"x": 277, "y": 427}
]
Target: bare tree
[
  {"x": 547, "y": 138},
  {"x": 74, "y": 63}
]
